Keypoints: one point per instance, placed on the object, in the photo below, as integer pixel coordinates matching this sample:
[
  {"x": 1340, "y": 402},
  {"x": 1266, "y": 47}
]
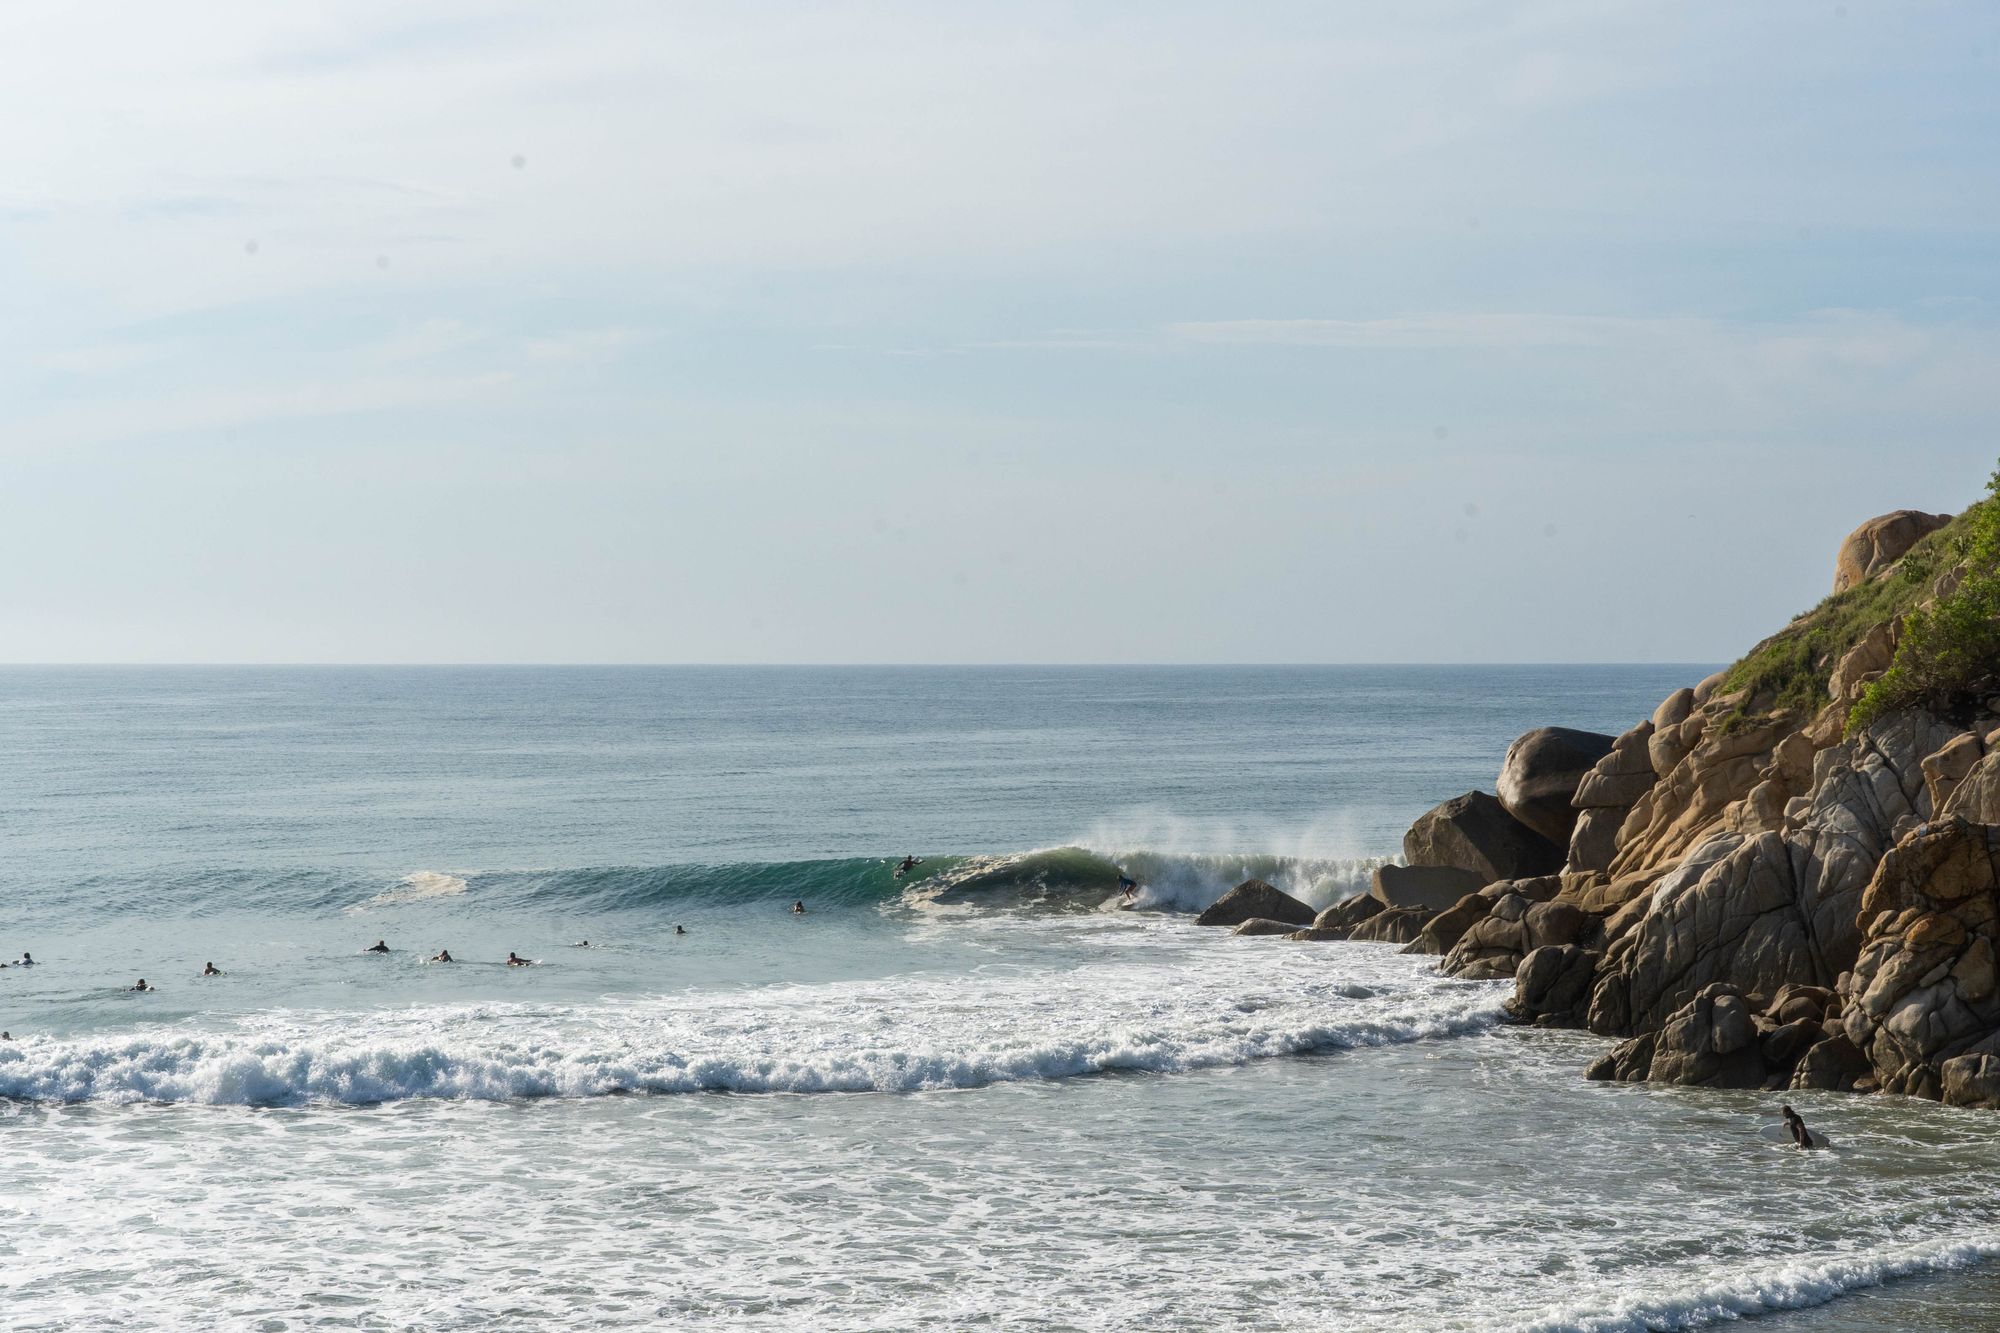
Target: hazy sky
[{"x": 439, "y": 331}]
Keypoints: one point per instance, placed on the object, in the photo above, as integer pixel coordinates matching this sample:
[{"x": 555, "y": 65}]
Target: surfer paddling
[
  {"x": 799, "y": 907},
  {"x": 379, "y": 946},
  {"x": 514, "y": 960}
]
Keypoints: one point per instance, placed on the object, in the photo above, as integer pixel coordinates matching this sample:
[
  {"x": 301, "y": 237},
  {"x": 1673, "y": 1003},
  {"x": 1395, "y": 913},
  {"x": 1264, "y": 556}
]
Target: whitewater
[{"x": 987, "y": 1093}]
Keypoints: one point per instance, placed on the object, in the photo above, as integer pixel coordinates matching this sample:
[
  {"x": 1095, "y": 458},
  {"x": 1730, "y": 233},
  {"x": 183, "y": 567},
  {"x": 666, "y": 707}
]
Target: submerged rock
[
  {"x": 1254, "y": 898},
  {"x": 1258, "y": 925}
]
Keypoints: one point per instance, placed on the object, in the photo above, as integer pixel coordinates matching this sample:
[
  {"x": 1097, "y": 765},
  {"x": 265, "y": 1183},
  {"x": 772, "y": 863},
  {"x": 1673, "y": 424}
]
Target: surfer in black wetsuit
[
  {"x": 379, "y": 946},
  {"x": 799, "y": 907},
  {"x": 513, "y": 961},
  {"x": 1801, "y": 1136},
  {"x": 1127, "y": 886},
  {"x": 909, "y": 863},
  {"x": 27, "y": 959},
  {"x": 442, "y": 956},
  {"x": 680, "y": 930},
  {"x": 210, "y": 970},
  {"x": 143, "y": 986}
]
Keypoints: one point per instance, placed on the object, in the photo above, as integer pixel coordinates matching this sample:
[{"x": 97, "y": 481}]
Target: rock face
[
  {"x": 1881, "y": 542},
  {"x": 1606, "y": 796},
  {"x": 1756, "y": 910},
  {"x": 1474, "y": 832},
  {"x": 1922, "y": 1000},
  {"x": 1430, "y": 888},
  {"x": 1542, "y": 773},
  {"x": 1254, "y": 898}
]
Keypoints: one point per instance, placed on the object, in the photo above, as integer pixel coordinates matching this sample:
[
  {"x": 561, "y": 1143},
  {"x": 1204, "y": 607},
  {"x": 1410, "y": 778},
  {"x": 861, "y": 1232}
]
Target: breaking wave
[{"x": 907, "y": 1034}]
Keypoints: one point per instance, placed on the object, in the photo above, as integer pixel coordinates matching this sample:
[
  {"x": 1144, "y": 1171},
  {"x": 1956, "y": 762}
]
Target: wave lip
[{"x": 1063, "y": 878}]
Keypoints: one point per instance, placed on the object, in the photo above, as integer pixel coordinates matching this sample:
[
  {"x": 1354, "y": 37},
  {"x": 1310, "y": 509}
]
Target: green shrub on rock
[{"x": 1948, "y": 655}]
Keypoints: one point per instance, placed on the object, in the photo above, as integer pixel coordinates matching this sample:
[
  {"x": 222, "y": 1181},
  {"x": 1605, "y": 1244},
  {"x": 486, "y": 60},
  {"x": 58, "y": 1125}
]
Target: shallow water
[{"x": 1012, "y": 1109}]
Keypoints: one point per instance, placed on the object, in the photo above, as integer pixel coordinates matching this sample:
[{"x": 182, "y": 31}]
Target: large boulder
[
  {"x": 1541, "y": 775},
  {"x": 1710, "y": 1042},
  {"x": 1254, "y": 898},
  {"x": 1396, "y": 925},
  {"x": 1519, "y": 918},
  {"x": 1347, "y": 915},
  {"x": 1552, "y": 986},
  {"x": 1429, "y": 888},
  {"x": 1474, "y": 832},
  {"x": 1881, "y": 542}
]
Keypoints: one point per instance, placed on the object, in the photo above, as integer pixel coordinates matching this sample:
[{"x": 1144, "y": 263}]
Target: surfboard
[{"x": 1779, "y": 1134}]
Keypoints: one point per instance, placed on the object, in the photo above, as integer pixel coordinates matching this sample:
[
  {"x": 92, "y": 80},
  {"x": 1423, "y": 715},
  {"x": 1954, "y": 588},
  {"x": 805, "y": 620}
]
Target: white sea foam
[
  {"x": 418, "y": 886},
  {"x": 1770, "y": 1289},
  {"x": 911, "y": 1033}
]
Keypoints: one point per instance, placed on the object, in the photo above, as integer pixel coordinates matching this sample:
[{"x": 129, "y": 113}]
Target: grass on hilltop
[{"x": 1949, "y": 653}]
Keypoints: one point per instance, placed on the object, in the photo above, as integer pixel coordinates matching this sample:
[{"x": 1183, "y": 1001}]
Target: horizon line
[{"x": 813, "y": 666}]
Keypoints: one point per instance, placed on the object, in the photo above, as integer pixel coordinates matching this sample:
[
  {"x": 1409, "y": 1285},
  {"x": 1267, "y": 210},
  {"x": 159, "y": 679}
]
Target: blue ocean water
[{"x": 979, "y": 1095}]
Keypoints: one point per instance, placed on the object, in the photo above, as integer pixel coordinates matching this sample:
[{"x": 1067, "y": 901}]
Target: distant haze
[{"x": 441, "y": 331}]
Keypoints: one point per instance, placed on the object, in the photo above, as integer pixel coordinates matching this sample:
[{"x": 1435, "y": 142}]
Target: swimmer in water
[
  {"x": 210, "y": 970},
  {"x": 799, "y": 907},
  {"x": 513, "y": 961},
  {"x": 27, "y": 959},
  {"x": 680, "y": 930},
  {"x": 581, "y": 944},
  {"x": 6, "y": 1036},
  {"x": 143, "y": 986},
  {"x": 441, "y": 956},
  {"x": 379, "y": 946},
  {"x": 1801, "y": 1136}
]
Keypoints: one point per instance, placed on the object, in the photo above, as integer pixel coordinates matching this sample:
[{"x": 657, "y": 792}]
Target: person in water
[
  {"x": 1127, "y": 886},
  {"x": 6, "y": 1036},
  {"x": 680, "y": 930},
  {"x": 909, "y": 864},
  {"x": 210, "y": 970},
  {"x": 441, "y": 956},
  {"x": 513, "y": 961},
  {"x": 142, "y": 985},
  {"x": 799, "y": 907},
  {"x": 1801, "y": 1136},
  {"x": 27, "y": 959},
  {"x": 379, "y": 946}
]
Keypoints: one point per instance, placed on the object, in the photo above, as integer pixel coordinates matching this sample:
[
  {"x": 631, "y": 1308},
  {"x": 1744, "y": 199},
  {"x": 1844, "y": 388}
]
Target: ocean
[{"x": 980, "y": 1095}]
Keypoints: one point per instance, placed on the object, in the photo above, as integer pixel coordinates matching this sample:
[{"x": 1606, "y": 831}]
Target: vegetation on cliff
[{"x": 1948, "y": 653}]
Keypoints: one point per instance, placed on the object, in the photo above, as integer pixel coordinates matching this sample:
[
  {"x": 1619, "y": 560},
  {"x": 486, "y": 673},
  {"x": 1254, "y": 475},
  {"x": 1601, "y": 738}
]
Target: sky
[{"x": 429, "y": 331}]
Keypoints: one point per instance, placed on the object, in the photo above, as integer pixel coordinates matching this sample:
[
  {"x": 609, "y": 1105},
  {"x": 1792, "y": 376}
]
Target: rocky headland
[{"x": 1787, "y": 877}]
